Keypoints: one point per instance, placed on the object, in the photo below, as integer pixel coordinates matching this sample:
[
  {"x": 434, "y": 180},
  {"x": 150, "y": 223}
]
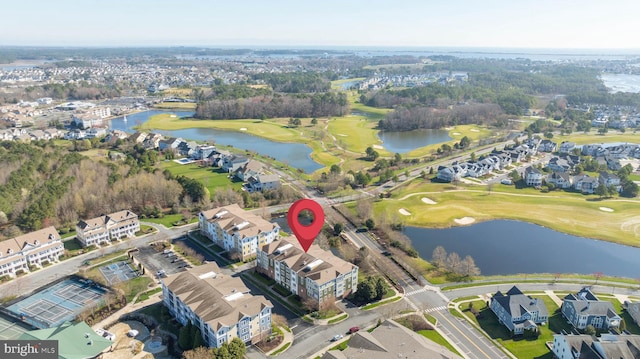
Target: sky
[{"x": 562, "y": 24}]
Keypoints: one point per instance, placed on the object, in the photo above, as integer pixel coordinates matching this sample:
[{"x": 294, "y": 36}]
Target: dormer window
[
  {"x": 36, "y": 242},
  {"x": 10, "y": 251},
  {"x": 50, "y": 237}
]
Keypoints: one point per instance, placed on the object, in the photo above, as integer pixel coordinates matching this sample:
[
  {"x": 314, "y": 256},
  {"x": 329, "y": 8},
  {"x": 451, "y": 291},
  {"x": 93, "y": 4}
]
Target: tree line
[
  {"x": 316, "y": 105},
  {"x": 412, "y": 118},
  {"x": 295, "y": 82},
  {"x": 453, "y": 264}
]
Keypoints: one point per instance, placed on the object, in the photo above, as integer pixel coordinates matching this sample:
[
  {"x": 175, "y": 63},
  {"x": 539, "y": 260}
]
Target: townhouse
[
  {"x": 103, "y": 229},
  {"x": 317, "y": 275},
  {"x": 221, "y": 306},
  {"x": 239, "y": 232},
  {"x": 28, "y": 250}
]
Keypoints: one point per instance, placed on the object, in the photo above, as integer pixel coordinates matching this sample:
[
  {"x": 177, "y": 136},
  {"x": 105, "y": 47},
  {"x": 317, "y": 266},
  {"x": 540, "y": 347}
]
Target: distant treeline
[
  {"x": 316, "y": 105},
  {"x": 411, "y": 118},
  {"x": 296, "y": 82}
]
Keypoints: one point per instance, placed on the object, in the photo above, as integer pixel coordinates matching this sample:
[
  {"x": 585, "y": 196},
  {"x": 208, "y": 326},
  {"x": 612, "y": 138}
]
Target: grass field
[
  {"x": 211, "y": 178},
  {"x": 562, "y": 211},
  {"x": 438, "y": 339},
  {"x": 169, "y": 219},
  {"x": 177, "y": 105},
  {"x": 580, "y": 138}
]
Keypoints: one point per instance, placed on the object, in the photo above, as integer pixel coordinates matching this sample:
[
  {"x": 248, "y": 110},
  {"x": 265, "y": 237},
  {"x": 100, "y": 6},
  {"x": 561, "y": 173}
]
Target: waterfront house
[
  {"x": 584, "y": 308},
  {"x": 249, "y": 169},
  {"x": 533, "y": 177},
  {"x": 233, "y": 162},
  {"x": 560, "y": 179},
  {"x": 518, "y": 312},
  {"x": 585, "y": 184}
]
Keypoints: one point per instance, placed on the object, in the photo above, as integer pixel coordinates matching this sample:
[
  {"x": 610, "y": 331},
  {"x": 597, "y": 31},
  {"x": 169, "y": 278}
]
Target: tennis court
[
  {"x": 59, "y": 303},
  {"x": 118, "y": 272},
  {"x": 11, "y": 329}
]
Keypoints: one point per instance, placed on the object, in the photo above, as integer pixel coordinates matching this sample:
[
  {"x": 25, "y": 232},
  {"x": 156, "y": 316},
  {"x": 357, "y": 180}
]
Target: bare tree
[
  {"x": 468, "y": 267},
  {"x": 439, "y": 256},
  {"x": 453, "y": 262},
  {"x": 364, "y": 208}
]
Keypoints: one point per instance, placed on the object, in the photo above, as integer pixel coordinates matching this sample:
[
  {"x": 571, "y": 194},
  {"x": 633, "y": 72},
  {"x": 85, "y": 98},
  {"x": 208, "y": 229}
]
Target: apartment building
[
  {"x": 103, "y": 229},
  {"x": 219, "y": 305},
  {"x": 28, "y": 250},
  {"x": 317, "y": 274},
  {"x": 237, "y": 231}
]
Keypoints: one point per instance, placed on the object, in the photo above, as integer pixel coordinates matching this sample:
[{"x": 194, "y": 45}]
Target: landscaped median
[{"x": 382, "y": 302}]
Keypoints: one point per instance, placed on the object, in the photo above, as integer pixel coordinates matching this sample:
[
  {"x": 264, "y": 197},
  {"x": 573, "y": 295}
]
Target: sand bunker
[
  {"x": 474, "y": 130},
  {"x": 428, "y": 200},
  {"x": 243, "y": 129},
  {"x": 456, "y": 133},
  {"x": 342, "y": 135},
  {"x": 404, "y": 212},
  {"x": 464, "y": 220},
  {"x": 378, "y": 147},
  {"x": 606, "y": 209},
  {"x": 172, "y": 116}
]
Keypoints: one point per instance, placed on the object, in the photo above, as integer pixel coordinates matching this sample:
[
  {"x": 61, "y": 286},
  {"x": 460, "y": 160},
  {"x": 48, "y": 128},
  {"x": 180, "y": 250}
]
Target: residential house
[
  {"x": 263, "y": 182},
  {"x": 96, "y": 132},
  {"x": 188, "y": 149},
  {"x": 547, "y": 146},
  {"x": 560, "y": 179},
  {"x": 30, "y": 250},
  {"x": 237, "y": 231},
  {"x": 232, "y": 163},
  {"x": 219, "y": 305},
  {"x": 317, "y": 274},
  {"x": 557, "y": 164},
  {"x": 584, "y": 308},
  {"x": 634, "y": 311},
  {"x": 103, "y": 229},
  {"x": 53, "y": 133},
  {"x": 447, "y": 174},
  {"x": 115, "y": 135},
  {"x": 607, "y": 346},
  {"x": 585, "y": 184},
  {"x": 591, "y": 149},
  {"x": 566, "y": 147},
  {"x": 518, "y": 312},
  {"x": 609, "y": 179},
  {"x": 138, "y": 137},
  {"x": 153, "y": 140},
  {"x": 390, "y": 340},
  {"x": 249, "y": 169},
  {"x": 533, "y": 177},
  {"x": 204, "y": 151},
  {"x": 75, "y": 135},
  {"x": 170, "y": 144}
]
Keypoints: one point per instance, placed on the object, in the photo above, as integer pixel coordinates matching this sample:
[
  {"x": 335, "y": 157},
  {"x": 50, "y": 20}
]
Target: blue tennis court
[{"x": 59, "y": 303}]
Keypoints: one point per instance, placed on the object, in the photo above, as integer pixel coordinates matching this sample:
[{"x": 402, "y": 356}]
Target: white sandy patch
[
  {"x": 342, "y": 135},
  {"x": 404, "y": 212},
  {"x": 378, "y": 147},
  {"x": 243, "y": 128},
  {"x": 474, "y": 130},
  {"x": 428, "y": 200},
  {"x": 172, "y": 116},
  {"x": 606, "y": 209},
  {"x": 448, "y": 128},
  {"x": 456, "y": 133},
  {"x": 464, "y": 220}
]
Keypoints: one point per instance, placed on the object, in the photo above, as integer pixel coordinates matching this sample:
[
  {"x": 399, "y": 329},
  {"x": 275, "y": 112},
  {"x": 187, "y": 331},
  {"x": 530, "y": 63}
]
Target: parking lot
[{"x": 155, "y": 261}]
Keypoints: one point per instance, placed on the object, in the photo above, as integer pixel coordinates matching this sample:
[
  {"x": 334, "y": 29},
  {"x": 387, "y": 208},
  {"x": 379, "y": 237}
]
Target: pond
[
  {"x": 296, "y": 155},
  {"x": 504, "y": 247},
  {"x": 406, "y": 141}
]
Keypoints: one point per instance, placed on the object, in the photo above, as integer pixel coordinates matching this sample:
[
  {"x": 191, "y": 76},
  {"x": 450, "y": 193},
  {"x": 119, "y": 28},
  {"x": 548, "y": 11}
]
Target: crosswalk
[
  {"x": 435, "y": 309},
  {"x": 413, "y": 292}
]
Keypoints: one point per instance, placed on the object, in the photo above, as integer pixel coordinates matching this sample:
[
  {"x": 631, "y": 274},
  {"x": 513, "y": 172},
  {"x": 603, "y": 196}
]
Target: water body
[
  {"x": 296, "y": 155},
  {"x": 621, "y": 82},
  {"x": 406, "y": 141},
  {"x": 504, "y": 247}
]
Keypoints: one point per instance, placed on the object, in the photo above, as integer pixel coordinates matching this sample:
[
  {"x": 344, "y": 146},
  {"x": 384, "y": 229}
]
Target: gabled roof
[
  {"x": 42, "y": 237},
  {"x": 586, "y": 303},
  {"x": 233, "y": 219},
  {"x": 218, "y": 299},
  {"x": 517, "y": 304}
]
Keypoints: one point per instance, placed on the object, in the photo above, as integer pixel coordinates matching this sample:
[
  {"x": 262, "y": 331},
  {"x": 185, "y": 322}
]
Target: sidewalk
[{"x": 287, "y": 338}]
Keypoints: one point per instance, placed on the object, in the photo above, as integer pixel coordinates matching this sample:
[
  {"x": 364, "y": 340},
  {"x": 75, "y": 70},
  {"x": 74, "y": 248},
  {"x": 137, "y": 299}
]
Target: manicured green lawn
[
  {"x": 169, "y": 219},
  {"x": 212, "y": 178},
  {"x": 520, "y": 346}
]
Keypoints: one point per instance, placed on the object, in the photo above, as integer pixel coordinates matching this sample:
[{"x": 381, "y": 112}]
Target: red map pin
[{"x": 305, "y": 234}]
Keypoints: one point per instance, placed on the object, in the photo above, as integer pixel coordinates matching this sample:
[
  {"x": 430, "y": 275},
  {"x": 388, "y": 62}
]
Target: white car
[
  {"x": 506, "y": 181},
  {"x": 337, "y": 337},
  {"x": 132, "y": 333}
]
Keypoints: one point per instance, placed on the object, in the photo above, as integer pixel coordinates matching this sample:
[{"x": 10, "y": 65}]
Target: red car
[{"x": 353, "y": 330}]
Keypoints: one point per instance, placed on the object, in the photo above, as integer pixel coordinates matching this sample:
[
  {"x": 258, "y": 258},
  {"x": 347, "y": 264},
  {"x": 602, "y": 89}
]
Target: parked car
[
  {"x": 506, "y": 181},
  {"x": 353, "y": 330},
  {"x": 337, "y": 337}
]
